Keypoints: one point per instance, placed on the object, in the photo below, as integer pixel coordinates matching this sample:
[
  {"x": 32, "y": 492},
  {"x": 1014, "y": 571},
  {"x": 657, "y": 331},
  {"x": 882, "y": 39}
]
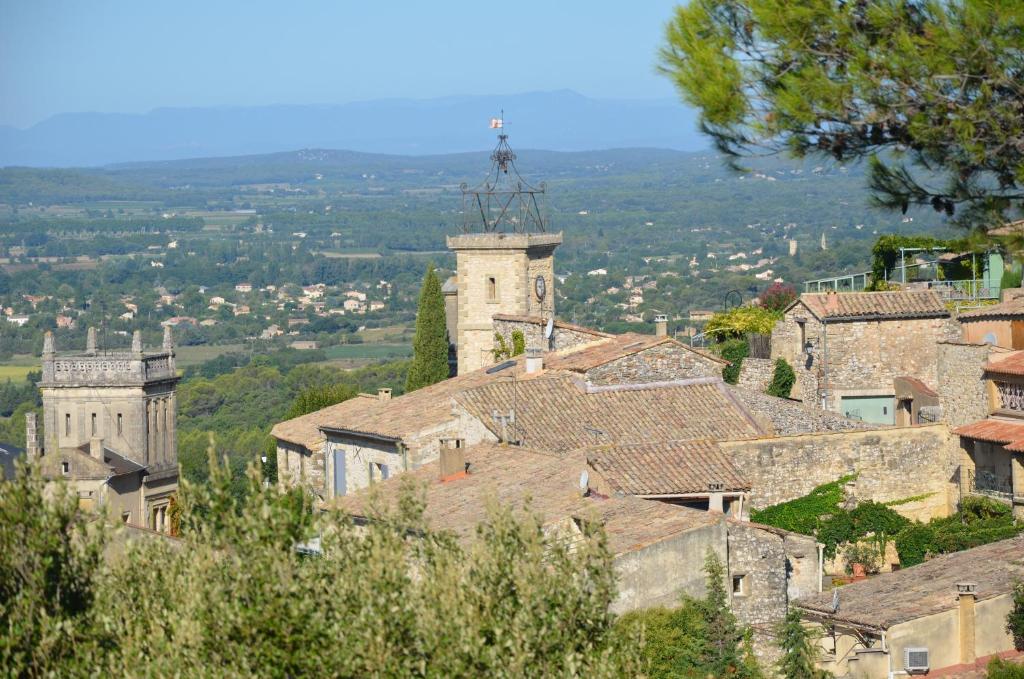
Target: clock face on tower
[{"x": 540, "y": 286}]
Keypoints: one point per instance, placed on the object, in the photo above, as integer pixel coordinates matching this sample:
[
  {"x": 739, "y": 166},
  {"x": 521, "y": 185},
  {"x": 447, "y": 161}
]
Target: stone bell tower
[{"x": 504, "y": 257}]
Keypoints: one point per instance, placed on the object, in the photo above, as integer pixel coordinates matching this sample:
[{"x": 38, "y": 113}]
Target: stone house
[
  {"x": 659, "y": 549},
  {"x": 992, "y": 460},
  {"x": 1001, "y": 325},
  {"x": 344, "y": 447},
  {"x": 109, "y": 427},
  {"x": 944, "y": 615},
  {"x": 848, "y": 348}
]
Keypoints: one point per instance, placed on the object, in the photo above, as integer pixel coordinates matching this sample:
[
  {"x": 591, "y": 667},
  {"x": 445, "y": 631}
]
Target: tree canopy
[
  {"x": 234, "y": 598},
  {"x": 930, "y": 92}
]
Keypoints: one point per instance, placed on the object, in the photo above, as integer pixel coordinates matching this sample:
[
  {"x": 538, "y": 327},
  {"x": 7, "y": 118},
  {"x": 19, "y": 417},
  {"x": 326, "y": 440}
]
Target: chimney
[
  {"x": 831, "y": 301},
  {"x": 137, "y": 342},
  {"x": 716, "y": 498},
  {"x": 96, "y": 448},
  {"x": 168, "y": 339},
  {"x": 48, "y": 345},
  {"x": 31, "y": 437},
  {"x": 534, "y": 361},
  {"x": 384, "y": 394},
  {"x": 90, "y": 341},
  {"x": 661, "y": 325},
  {"x": 453, "y": 459},
  {"x": 966, "y": 593}
]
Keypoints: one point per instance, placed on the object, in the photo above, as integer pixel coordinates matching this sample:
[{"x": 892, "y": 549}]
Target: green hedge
[{"x": 783, "y": 379}]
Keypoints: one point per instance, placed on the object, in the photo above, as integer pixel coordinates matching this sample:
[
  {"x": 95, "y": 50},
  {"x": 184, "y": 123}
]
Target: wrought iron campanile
[{"x": 504, "y": 202}]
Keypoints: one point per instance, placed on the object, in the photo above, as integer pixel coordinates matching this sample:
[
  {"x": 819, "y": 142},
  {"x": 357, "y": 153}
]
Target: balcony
[{"x": 985, "y": 481}]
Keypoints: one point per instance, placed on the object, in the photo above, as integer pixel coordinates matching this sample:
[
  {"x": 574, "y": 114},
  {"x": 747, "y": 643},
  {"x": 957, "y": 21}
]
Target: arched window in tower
[{"x": 492, "y": 288}]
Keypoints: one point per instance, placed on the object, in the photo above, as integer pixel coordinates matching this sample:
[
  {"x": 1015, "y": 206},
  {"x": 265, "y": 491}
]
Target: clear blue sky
[{"x": 136, "y": 55}]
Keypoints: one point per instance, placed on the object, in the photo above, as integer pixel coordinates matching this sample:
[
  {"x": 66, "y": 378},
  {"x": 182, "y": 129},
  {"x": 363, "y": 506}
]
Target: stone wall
[
  {"x": 656, "y": 575},
  {"x": 563, "y": 337},
  {"x": 756, "y": 373},
  {"x": 961, "y": 382},
  {"x": 862, "y": 357},
  {"x": 664, "y": 362},
  {"x": 891, "y": 464}
]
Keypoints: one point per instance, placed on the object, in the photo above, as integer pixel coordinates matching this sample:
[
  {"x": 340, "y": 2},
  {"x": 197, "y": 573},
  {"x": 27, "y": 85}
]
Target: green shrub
[
  {"x": 738, "y": 321},
  {"x": 979, "y": 522},
  {"x": 998, "y": 668},
  {"x": 734, "y": 351},
  {"x": 1015, "y": 619},
  {"x": 1010, "y": 279},
  {"x": 699, "y": 639},
  {"x": 783, "y": 379}
]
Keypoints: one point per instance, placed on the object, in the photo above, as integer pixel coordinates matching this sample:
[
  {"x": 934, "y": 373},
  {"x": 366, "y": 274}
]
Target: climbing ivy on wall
[
  {"x": 821, "y": 513},
  {"x": 783, "y": 379}
]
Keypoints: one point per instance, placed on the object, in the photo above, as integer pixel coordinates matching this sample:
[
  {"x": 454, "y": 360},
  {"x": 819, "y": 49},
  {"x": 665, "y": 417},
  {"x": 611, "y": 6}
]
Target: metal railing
[
  {"x": 963, "y": 290},
  {"x": 851, "y": 283},
  {"x": 987, "y": 482}
]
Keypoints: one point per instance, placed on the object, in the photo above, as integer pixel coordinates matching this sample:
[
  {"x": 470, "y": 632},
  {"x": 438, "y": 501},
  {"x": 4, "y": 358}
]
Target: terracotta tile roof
[
  {"x": 993, "y": 430},
  {"x": 918, "y": 386},
  {"x": 929, "y": 588},
  {"x": 1007, "y": 364},
  {"x": 614, "y": 348},
  {"x": 537, "y": 320},
  {"x": 874, "y": 305},
  {"x": 666, "y": 468},
  {"x": 1013, "y": 308},
  {"x": 395, "y": 418},
  {"x": 1009, "y": 229},
  {"x": 511, "y": 476},
  {"x": 557, "y": 412}
]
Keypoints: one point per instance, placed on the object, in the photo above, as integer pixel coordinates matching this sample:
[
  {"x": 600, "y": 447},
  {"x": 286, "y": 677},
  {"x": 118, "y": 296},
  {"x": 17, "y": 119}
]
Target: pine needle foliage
[
  {"x": 928, "y": 92},
  {"x": 430, "y": 344}
]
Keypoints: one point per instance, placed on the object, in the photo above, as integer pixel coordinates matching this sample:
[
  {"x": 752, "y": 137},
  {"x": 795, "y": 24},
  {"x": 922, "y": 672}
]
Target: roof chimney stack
[
  {"x": 534, "y": 361},
  {"x": 661, "y": 325},
  {"x": 96, "y": 448},
  {"x": 453, "y": 459},
  {"x": 967, "y": 592},
  {"x": 384, "y": 394},
  {"x": 832, "y": 302}
]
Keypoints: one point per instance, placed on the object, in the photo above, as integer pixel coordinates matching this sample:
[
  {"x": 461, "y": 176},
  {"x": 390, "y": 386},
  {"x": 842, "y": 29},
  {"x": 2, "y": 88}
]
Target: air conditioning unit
[{"x": 915, "y": 660}]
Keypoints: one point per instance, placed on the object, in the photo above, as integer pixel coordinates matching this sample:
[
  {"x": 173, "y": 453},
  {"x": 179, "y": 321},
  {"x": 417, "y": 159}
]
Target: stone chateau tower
[
  {"x": 504, "y": 259},
  {"x": 109, "y": 426}
]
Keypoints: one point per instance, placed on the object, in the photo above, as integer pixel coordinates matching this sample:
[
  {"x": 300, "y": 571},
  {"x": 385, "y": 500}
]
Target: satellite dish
[
  {"x": 584, "y": 480},
  {"x": 549, "y": 328}
]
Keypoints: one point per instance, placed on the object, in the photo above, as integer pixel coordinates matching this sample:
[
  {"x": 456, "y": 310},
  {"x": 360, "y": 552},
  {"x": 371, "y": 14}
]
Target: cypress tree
[{"x": 430, "y": 346}]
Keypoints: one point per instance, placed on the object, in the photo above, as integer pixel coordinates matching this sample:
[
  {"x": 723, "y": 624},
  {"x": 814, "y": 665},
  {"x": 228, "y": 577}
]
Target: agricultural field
[
  {"x": 194, "y": 355},
  {"x": 17, "y": 367}
]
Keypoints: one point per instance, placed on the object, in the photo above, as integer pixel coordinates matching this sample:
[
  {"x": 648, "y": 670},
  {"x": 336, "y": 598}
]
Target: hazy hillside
[{"x": 561, "y": 120}]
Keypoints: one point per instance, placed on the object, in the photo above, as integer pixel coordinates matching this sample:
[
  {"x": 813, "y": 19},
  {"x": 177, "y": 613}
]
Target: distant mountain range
[{"x": 562, "y": 121}]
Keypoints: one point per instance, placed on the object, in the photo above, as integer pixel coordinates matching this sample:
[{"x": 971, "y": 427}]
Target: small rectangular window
[
  {"x": 492, "y": 289},
  {"x": 92, "y": 431},
  {"x": 65, "y": 468},
  {"x": 740, "y": 585},
  {"x": 126, "y": 517},
  {"x": 120, "y": 424},
  {"x": 67, "y": 424}
]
